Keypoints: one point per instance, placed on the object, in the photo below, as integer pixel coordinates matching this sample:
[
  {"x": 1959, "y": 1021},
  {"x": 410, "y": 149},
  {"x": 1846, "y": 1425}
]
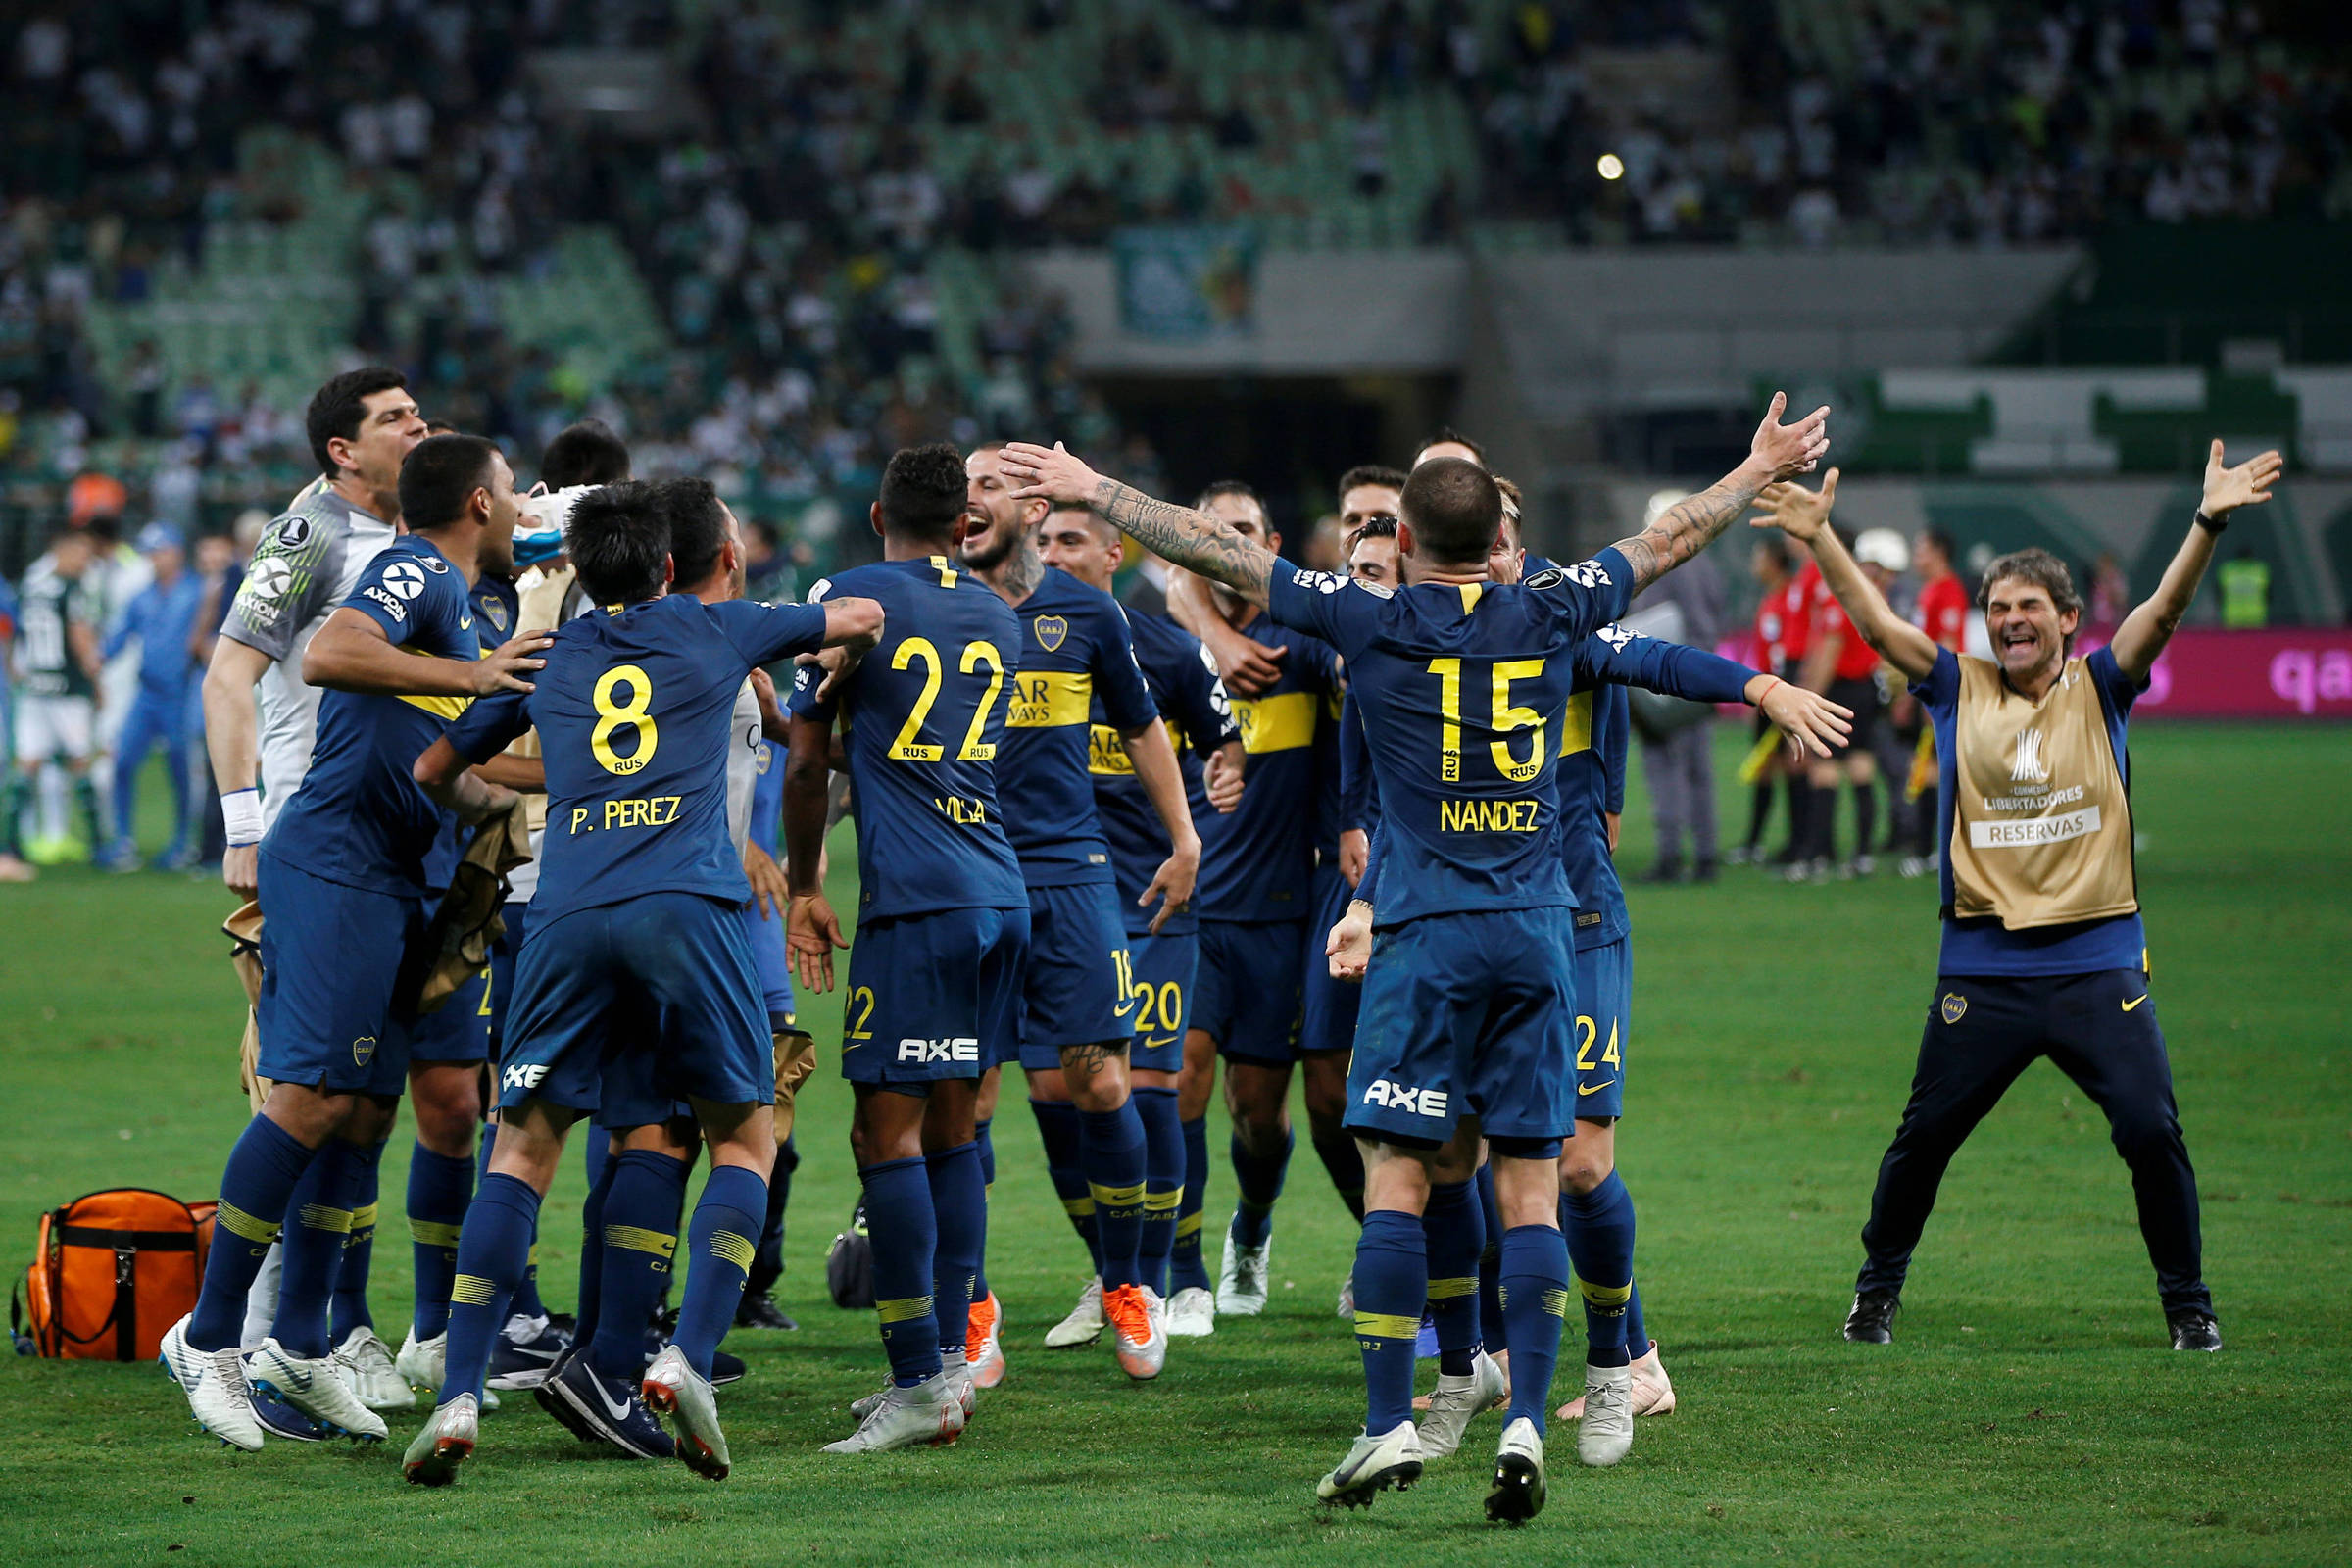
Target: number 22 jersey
[
  {"x": 635, "y": 711},
  {"x": 925, "y": 725}
]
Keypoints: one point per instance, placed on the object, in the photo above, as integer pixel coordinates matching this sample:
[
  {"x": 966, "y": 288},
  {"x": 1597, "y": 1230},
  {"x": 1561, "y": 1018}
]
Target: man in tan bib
[{"x": 2043, "y": 951}]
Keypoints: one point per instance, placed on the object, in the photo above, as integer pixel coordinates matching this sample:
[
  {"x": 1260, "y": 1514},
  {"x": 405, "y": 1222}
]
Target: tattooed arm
[
  {"x": 1185, "y": 537},
  {"x": 1688, "y": 526}
]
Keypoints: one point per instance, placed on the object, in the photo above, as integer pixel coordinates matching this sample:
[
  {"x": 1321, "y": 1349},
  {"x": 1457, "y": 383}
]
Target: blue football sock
[
  {"x": 959, "y": 1208},
  {"x": 493, "y": 1250},
  {"x": 1163, "y": 1182},
  {"x": 526, "y": 1294},
  {"x": 263, "y": 1170},
  {"x": 318, "y": 1223},
  {"x": 1601, "y": 1245},
  {"x": 1185, "y": 1270},
  {"x": 1636, "y": 1332},
  {"x": 1535, "y": 1301},
  {"x": 905, "y": 1235},
  {"x": 592, "y": 1247},
  {"x": 988, "y": 1183},
  {"x": 440, "y": 1186},
  {"x": 1453, "y": 1235},
  {"x": 1335, "y": 1148},
  {"x": 642, "y": 1200},
  {"x": 1259, "y": 1180},
  {"x": 722, "y": 1239},
  {"x": 350, "y": 1310},
  {"x": 1489, "y": 1263},
  {"x": 1392, "y": 1279},
  {"x": 1113, "y": 1150},
  {"x": 1064, "y": 1137}
]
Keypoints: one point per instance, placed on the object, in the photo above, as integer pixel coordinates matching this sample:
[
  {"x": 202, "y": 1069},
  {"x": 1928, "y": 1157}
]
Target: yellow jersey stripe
[
  {"x": 1278, "y": 724},
  {"x": 1050, "y": 699}
]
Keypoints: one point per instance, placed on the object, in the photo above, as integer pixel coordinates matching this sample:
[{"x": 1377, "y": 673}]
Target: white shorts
[{"x": 52, "y": 727}]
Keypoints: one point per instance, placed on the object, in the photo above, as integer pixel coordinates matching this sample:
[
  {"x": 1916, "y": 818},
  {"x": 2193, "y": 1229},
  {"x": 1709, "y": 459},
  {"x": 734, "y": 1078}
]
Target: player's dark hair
[
  {"x": 1371, "y": 528},
  {"x": 1099, "y": 527},
  {"x": 1942, "y": 542},
  {"x": 618, "y": 538},
  {"x": 1377, "y": 473},
  {"x": 698, "y": 525},
  {"x": 923, "y": 493},
  {"x": 1775, "y": 549},
  {"x": 439, "y": 428},
  {"x": 1454, "y": 510},
  {"x": 1448, "y": 436},
  {"x": 2039, "y": 568},
  {"x": 1232, "y": 487},
  {"x": 440, "y": 476},
  {"x": 585, "y": 451},
  {"x": 337, "y": 409}
]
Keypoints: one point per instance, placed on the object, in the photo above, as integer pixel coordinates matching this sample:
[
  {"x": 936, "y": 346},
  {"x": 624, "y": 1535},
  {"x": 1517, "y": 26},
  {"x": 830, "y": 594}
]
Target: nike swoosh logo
[
  {"x": 1157, "y": 1042},
  {"x": 1594, "y": 1090},
  {"x": 618, "y": 1410},
  {"x": 465, "y": 625},
  {"x": 2135, "y": 1001}
]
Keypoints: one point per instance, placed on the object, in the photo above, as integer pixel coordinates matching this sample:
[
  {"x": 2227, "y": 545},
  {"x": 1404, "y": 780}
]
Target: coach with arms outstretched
[{"x": 2043, "y": 951}]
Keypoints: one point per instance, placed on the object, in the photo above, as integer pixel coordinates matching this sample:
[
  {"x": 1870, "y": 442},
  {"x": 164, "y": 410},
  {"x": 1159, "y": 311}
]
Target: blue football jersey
[
  {"x": 1075, "y": 654},
  {"x": 1258, "y": 863},
  {"x": 1359, "y": 801},
  {"x": 635, "y": 711},
  {"x": 496, "y": 606},
  {"x": 358, "y": 817},
  {"x": 1199, "y": 719},
  {"x": 925, "y": 724},
  {"x": 1464, "y": 689}
]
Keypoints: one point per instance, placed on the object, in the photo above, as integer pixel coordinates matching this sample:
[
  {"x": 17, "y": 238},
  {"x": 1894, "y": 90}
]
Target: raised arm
[
  {"x": 1804, "y": 514},
  {"x": 352, "y": 654},
  {"x": 1186, "y": 538},
  {"x": 1778, "y": 452},
  {"x": 2145, "y": 631}
]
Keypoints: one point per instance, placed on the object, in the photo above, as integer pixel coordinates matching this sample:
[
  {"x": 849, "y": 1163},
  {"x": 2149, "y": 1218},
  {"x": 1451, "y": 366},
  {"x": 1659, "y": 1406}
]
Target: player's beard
[{"x": 1000, "y": 542}]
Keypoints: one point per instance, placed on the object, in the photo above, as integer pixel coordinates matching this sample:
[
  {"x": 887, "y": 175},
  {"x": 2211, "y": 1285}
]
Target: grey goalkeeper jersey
[{"x": 307, "y": 562}]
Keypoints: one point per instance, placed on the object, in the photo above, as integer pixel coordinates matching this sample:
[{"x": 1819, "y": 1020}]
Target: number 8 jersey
[
  {"x": 635, "y": 712},
  {"x": 923, "y": 724}
]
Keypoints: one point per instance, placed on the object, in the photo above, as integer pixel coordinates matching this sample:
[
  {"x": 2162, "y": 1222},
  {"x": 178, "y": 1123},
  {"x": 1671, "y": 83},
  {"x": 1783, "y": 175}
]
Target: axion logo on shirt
[
  {"x": 404, "y": 578},
  {"x": 2028, "y": 767}
]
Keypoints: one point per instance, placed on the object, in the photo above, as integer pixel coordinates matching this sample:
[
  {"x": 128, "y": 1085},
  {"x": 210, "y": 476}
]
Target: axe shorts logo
[
  {"x": 1412, "y": 1102},
  {"x": 1956, "y": 1006},
  {"x": 960, "y": 1048},
  {"x": 363, "y": 1050},
  {"x": 528, "y": 1076}
]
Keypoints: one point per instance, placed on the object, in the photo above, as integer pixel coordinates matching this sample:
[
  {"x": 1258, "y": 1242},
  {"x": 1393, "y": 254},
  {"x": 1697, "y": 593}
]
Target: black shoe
[
  {"x": 1665, "y": 871},
  {"x": 1704, "y": 871},
  {"x": 1872, "y": 1321},
  {"x": 761, "y": 1311},
  {"x": 565, "y": 1324},
  {"x": 596, "y": 1409},
  {"x": 2194, "y": 1331},
  {"x": 523, "y": 1362}
]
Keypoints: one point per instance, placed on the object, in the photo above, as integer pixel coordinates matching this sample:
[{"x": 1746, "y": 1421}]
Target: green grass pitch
[{"x": 2029, "y": 1414}]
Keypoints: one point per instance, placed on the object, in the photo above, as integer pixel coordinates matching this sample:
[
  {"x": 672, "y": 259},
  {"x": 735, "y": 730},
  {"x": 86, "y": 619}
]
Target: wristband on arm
[{"x": 241, "y": 814}]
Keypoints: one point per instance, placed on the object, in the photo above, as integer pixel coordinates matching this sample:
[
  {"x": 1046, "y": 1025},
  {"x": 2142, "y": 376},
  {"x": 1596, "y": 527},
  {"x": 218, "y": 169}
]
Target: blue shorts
[
  {"x": 625, "y": 1009},
  {"x": 1467, "y": 1015},
  {"x": 933, "y": 995},
  {"x": 457, "y": 1030},
  {"x": 1075, "y": 989},
  {"x": 517, "y": 913},
  {"x": 1246, "y": 995},
  {"x": 1161, "y": 968},
  {"x": 766, "y": 934},
  {"x": 1328, "y": 1007},
  {"x": 1604, "y": 1000},
  {"x": 332, "y": 968}
]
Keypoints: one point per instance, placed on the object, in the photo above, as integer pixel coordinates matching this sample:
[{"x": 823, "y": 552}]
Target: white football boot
[
  {"x": 213, "y": 1381},
  {"x": 984, "y": 1341},
  {"x": 425, "y": 1364},
  {"x": 1517, "y": 1494},
  {"x": 1654, "y": 1390},
  {"x": 1456, "y": 1402},
  {"x": 672, "y": 1388},
  {"x": 446, "y": 1442},
  {"x": 1086, "y": 1322},
  {"x": 1242, "y": 1282},
  {"x": 1374, "y": 1464},
  {"x": 315, "y": 1386},
  {"x": 1606, "y": 1432},
  {"x": 1191, "y": 1314},
  {"x": 1348, "y": 1297},
  {"x": 367, "y": 1366},
  {"x": 906, "y": 1418}
]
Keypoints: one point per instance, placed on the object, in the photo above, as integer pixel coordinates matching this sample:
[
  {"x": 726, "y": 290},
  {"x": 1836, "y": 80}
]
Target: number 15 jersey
[
  {"x": 635, "y": 712},
  {"x": 925, "y": 725}
]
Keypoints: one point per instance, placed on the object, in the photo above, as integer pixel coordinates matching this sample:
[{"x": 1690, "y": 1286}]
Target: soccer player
[
  {"x": 1162, "y": 962},
  {"x": 1076, "y": 650},
  {"x": 160, "y": 619},
  {"x": 1942, "y": 613},
  {"x": 56, "y": 670},
  {"x": 942, "y": 923},
  {"x": 1467, "y": 1010},
  {"x": 1258, "y": 895},
  {"x": 636, "y": 988},
  {"x": 2043, "y": 949},
  {"x": 344, "y": 868}
]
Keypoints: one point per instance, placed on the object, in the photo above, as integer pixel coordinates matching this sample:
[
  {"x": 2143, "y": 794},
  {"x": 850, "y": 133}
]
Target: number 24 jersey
[{"x": 635, "y": 711}]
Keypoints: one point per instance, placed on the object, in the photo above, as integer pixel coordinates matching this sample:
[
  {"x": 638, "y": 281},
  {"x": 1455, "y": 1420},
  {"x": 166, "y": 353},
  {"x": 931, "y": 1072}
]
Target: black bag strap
[
  {"x": 125, "y": 1315},
  {"x": 137, "y": 1241}
]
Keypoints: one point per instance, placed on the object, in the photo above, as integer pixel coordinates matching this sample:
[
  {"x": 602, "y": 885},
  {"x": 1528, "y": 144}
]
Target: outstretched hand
[
  {"x": 1811, "y": 721},
  {"x": 811, "y": 931},
  {"x": 1054, "y": 474},
  {"x": 1796, "y": 511},
  {"x": 1789, "y": 449},
  {"x": 2246, "y": 485}
]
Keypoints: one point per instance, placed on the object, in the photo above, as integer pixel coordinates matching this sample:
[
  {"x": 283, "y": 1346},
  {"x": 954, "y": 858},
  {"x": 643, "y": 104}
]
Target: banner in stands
[
  {"x": 1186, "y": 284},
  {"x": 2284, "y": 672}
]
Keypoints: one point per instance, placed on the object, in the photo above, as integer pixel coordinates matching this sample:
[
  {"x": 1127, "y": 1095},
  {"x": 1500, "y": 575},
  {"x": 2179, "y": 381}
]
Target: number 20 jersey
[
  {"x": 925, "y": 725},
  {"x": 635, "y": 712}
]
